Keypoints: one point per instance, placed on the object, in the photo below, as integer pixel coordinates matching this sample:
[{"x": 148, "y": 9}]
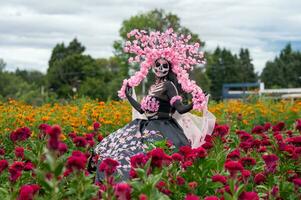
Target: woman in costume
[{"x": 161, "y": 115}]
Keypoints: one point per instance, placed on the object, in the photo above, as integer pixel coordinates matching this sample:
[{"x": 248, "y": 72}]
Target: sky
[{"x": 29, "y": 29}]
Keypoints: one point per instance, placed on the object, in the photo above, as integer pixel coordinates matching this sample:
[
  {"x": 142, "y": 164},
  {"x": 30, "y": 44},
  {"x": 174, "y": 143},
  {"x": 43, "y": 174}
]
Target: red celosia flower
[
  {"x": 27, "y": 192},
  {"x": 278, "y": 127},
  {"x": 180, "y": 180},
  {"x": 297, "y": 182},
  {"x": 278, "y": 136},
  {"x": 201, "y": 152},
  {"x": 77, "y": 160},
  {"x": 267, "y": 126},
  {"x": 96, "y": 126},
  {"x": 258, "y": 129},
  {"x": 221, "y": 130},
  {"x": 14, "y": 174},
  {"x": 248, "y": 196},
  {"x": 72, "y": 135},
  {"x": 192, "y": 185},
  {"x": 3, "y": 165},
  {"x": 275, "y": 191},
  {"x": 2, "y": 152},
  {"x": 211, "y": 198},
  {"x": 99, "y": 138},
  {"x": 262, "y": 149},
  {"x": 19, "y": 152},
  {"x": 295, "y": 140},
  {"x": 271, "y": 162},
  {"x": 53, "y": 142},
  {"x": 185, "y": 150},
  {"x": 143, "y": 197},
  {"x": 233, "y": 167},
  {"x": 80, "y": 141},
  {"x": 246, "y": 145},
  {"x": 245, "y": 174},
  {"x": 133, "y": 173},
  {"x": 44, "y": 129},
  {"x": 219, "y": 178},
  {"x": 207, "y": 145},
  {"x": 245, "y": 137},
  {"x": 186, "y": 164},
  {"x": 234, "y": 155},
  {"x": 20, "y": 134},
  {"x": 158, "y": 157},
  {"x": 298, "y": 124},
  {"x": 138, "y": 160},
  {"x": 247, "y": 161},
  {"x": 191, "y": 197},
  {"x": 177, "y": 157},
  {"x": 63, "y": 148},
  {"x": 122, "y": 191},
  {"x": 259, "y": 178},
  {"x": 28, "y": 166},
  {"x": 108, "y": 166}
]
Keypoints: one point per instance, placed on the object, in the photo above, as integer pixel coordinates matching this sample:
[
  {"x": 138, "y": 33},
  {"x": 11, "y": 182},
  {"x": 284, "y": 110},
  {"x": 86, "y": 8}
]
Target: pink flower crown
[{"x": 149, "y": 47}]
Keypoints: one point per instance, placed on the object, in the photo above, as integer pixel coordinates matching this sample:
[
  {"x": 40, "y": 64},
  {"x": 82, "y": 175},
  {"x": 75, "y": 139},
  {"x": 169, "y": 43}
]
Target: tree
[
  {"x": 225, "y": 67},
  {"x": 247, "y": 73},
  {"x": 2, "y": 65},
  {"x": 284, "y": 71}
]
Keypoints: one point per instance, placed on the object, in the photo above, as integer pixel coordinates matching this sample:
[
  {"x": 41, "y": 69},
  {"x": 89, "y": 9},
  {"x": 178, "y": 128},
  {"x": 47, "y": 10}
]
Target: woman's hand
[{"x": 128, "y": 90}]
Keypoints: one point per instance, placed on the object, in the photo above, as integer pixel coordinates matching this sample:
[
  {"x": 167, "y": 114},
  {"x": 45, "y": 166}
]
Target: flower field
[{"x": 254, "y": 153}]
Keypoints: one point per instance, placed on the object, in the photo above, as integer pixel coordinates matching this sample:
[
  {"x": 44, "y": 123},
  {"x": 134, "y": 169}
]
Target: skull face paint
[{"x": 161, "y": 67}]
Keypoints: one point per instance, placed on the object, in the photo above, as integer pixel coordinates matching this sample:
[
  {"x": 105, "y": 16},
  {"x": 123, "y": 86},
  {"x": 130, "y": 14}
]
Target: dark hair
[{"x": 173, "y": 78}]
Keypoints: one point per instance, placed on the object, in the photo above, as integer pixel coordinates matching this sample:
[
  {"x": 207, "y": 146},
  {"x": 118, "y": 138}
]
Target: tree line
[{"x": 72, "y": 72}]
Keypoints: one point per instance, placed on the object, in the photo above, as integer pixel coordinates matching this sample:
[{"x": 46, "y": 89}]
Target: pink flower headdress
[{"x": 149, "y": 47}]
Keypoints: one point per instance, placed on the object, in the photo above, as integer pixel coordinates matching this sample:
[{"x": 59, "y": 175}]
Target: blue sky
[{"x": 29, "y": 29}]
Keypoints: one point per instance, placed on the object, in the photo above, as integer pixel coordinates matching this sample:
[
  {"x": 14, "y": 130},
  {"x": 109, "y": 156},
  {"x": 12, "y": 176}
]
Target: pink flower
[
  {"x": 143, "y": 197},
  {"x": 234, "y": 155},
  {"x": 158, "y": 157},
  {"x": 150, "y": 103}
]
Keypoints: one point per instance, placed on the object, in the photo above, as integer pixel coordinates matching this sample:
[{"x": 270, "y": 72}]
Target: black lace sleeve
[{"x": 175, "y": 99}]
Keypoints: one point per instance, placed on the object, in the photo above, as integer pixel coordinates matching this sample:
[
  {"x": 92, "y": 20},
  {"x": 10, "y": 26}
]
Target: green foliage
[
  {"x": 225, "y": 67},
  {"x": 284, "y": 71}
]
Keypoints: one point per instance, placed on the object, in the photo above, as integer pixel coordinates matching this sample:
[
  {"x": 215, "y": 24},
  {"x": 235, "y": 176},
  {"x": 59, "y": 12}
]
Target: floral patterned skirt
[{"x": 134, "y": 138}]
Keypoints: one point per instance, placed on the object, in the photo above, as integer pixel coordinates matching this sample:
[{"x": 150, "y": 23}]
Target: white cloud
[{"x": 31, "y": 28}]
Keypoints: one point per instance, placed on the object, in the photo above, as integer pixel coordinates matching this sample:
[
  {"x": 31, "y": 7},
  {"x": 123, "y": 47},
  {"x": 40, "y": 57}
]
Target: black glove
[{"x": 128, "y": 90}]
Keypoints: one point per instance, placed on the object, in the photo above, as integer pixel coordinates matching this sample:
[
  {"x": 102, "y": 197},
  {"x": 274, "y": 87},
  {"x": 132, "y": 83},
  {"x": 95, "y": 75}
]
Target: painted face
[{"x": 161, "y": 68}]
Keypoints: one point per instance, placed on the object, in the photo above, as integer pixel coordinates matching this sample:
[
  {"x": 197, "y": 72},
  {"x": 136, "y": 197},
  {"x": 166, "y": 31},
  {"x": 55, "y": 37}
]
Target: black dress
[{"x": 134, "y": 137}]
